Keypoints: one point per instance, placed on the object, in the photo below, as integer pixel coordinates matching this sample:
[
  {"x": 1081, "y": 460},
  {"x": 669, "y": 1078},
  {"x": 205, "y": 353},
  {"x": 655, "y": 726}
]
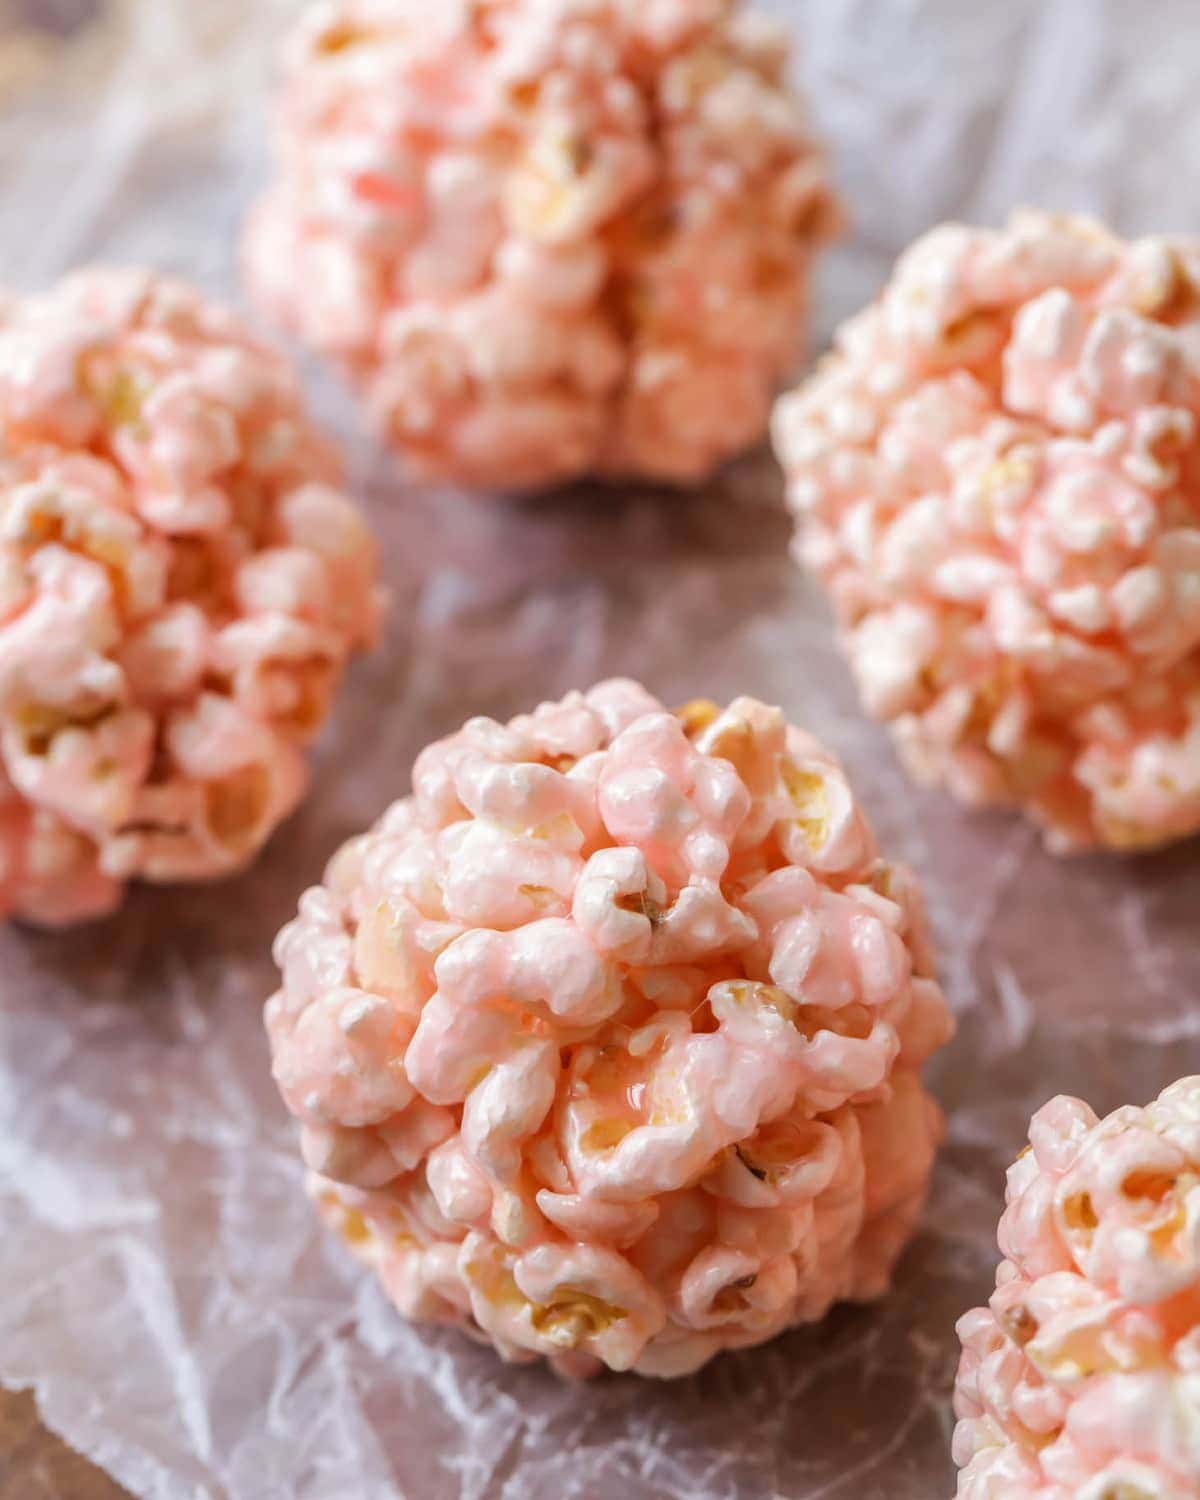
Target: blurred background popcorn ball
[
  {"x": 997, "y": 475},
  {"x": 181, "y": 583},
  {"x": 1081, "y": 1378},
  {"x": 606, "y": 1043},
  {"x": 546, "y": 238}
]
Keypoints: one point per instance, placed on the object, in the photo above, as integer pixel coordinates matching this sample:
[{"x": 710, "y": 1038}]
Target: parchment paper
[{"x": 162, "y": 1283}]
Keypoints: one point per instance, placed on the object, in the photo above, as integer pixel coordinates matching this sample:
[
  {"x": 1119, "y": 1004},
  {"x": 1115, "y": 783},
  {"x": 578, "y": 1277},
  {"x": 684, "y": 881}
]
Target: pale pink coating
[
  {"x": 997, "y": 475},
  {"x": 1081, "y": 1378},
  {"x": 181, "y": 584},
  {"x": 606, "y": 1042},
  {"x": 545, "y": 237}
]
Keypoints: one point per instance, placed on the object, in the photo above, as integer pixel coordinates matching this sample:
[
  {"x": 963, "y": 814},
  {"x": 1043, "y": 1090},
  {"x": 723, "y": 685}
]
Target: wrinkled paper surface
[{"x": 165, "y": 1288}]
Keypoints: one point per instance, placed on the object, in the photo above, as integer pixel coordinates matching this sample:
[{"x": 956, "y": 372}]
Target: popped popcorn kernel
[
  {"x": 997, "y": 476},
  {"x": 545, "y": 238},
  {"x": 1082, "y": 1375},
  {"x": 594, "y": 1056},
  {"x": 181, "y": 586}
]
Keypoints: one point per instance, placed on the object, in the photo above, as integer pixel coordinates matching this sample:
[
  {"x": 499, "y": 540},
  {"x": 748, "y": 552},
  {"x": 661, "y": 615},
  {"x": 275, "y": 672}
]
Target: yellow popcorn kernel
[
  {"x": 344, "y": 38},
  {"x": 560, "y": 763},
  {"x": 730, "y": 1298},
  {"x": 811, "y": 799},
  {"x": 123, "y": 398},
  {"x": 41, "y": 524},
  {"x": 37, "y": 725},
  {"x": 1019, "y": 1324},
  {"x": 355, "y": 1228},
  {"x": 854, "y": 1021},
  {"x": 971, "y": 336},
  {"x": 524, "y": 94},
  {"x": 697, "y": 714},
  {"x": 754, "y": 1158},
  {"x": 1160, "y": 280},
  {"x": 736, "y": 742},
  {"x": 1087, "y": 1351},
  {"x": 746, "y": 992},
  {"x": 362, "y": 1237},
  {"x": 603, "y": 1135},
  {"x": 1151, "y": 1184},
  {"x": 234, "y": 806},
  {"x": 642, "y": 904},
  {"x": 1079, "y": 1212},
  {"x": 495, "y": 1280},
  {"x": 669, "y": 1114},
  {"x": 574, "y": 1316},
  {"x": 120, "y": 393},
  {"x": 1169, "y": 1193},
  {"x": 541, "y": 896},
  {"x": 562, "y": 828}
]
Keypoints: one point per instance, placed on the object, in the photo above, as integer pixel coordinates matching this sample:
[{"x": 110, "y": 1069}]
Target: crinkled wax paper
[{"x": 165, "y": 1287}]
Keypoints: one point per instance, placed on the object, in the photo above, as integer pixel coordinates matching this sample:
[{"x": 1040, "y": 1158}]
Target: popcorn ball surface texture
[
  {"x": 997, "y": 474},
  {"x": 545, "y": 237},
  {"x": 181, "y": 584},
  {"x": 1081, "y": 1378},
  {"x": 606, "y": 1043}
]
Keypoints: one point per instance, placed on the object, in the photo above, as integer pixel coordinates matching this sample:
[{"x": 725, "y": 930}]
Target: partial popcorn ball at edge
[
  {"x": 545, "y": 238},
  {"x": 1081, "y": 1378},
  {"x": 606, "y": 1043},
  {"x": 997, "y": 475},
  {"x": 181, "y": 584}
]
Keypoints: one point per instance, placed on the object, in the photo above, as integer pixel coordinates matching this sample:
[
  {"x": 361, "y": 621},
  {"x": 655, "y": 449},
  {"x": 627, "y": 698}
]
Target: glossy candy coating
[
  {"x": 997, "y": 476},
  {"x": 605, "y": 1043},
  {"x": 1081, "y": 1378},
  {"x": 181, "y": 584},
  {"x": 545, "y": 238}
]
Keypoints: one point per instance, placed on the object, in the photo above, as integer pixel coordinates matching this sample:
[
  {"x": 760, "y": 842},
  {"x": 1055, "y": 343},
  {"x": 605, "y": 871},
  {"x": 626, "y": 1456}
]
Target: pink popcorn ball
[
  {"x": 545, "y": 238},
  {"x": 1081, "y": 1378},
  {"x": 606, "y": 1043},
  {"x": 997, "y": 474},
  {"x": 181, "y": 583}
]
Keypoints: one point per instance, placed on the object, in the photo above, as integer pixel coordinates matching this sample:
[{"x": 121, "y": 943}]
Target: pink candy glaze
[
  {"x": 181, "y": 584},
  {"x": 997, "y": 474},
  {"x": 606, "y": 1042},
  {"x": 1081, "y": 1378},
  {"x": 545, "y": 237}
]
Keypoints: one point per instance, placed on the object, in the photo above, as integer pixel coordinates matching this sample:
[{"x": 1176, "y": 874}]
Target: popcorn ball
[
  {"x": 997, "y": 474},
  {"x": 545, "y": 237},
  {"x": 1081, "y": 1378},
  {"x": 181, "y": 583},
  {"x": 606, "y": 1043}
]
